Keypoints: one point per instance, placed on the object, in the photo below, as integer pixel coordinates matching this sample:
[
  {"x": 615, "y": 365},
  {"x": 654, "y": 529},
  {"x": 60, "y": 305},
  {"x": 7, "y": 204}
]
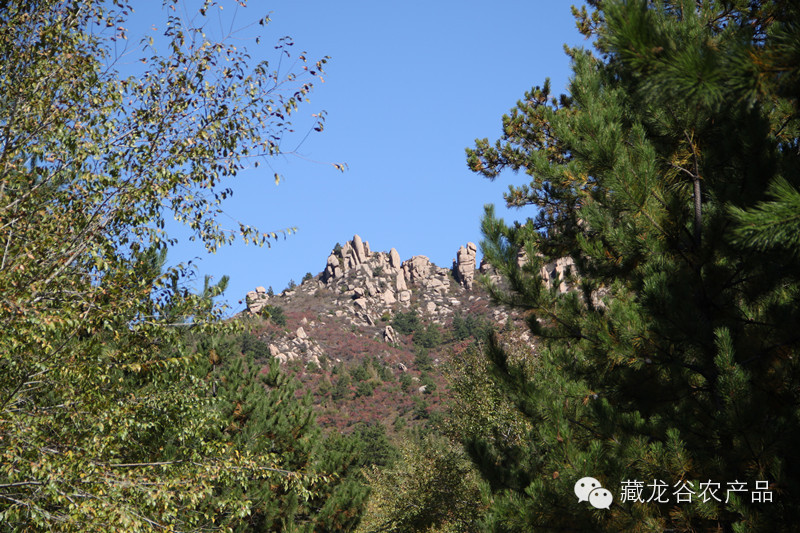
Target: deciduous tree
[{"x": 94, "y": 380}]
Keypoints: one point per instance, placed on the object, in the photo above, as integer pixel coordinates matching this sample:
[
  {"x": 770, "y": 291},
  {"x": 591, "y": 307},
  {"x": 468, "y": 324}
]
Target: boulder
[
  {"x": 394, "y": 258},
  {"x": 437, "y": 284},
  {"x": 301, "y": 333},
  {"x": 388, "y": 298},
  {"x": 464, "y": 268},
  {"x": 521, "y": 258},
  {"x": 559, "y": 269},
  {"x": 361, "y": 302},
  {"x": 330, "y": 268},
  {"x": 256, "y": 300},
  {"x": 358, "y": 248},
  {"x": 366, "y": 270},
  {"x": 417, "y": 268},
  {"x": 390, "y": 336},
  {"x": 371, "y": 290},
  {"x": 400, "y": 282},
  {"x": 347, "y": 256}
]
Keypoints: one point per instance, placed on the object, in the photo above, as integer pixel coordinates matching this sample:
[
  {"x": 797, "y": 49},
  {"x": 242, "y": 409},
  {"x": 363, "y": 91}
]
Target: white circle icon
[
  {"x": 601, "y": 498},
  {"x": 584, "y": 486}
]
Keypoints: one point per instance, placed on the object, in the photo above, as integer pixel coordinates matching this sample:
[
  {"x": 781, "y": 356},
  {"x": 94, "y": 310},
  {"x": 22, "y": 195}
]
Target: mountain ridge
[{"x": 369, "y": 335}]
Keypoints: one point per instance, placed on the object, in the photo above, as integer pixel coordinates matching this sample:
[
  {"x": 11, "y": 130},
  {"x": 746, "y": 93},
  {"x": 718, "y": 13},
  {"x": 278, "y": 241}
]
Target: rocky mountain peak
[
  {"x": 373, "y": 308},
  {"x": 377, "y": 282}
]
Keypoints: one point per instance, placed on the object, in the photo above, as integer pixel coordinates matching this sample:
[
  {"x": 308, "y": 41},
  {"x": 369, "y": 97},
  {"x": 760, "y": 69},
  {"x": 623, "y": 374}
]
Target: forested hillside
[{"x": 623, "y": 358}]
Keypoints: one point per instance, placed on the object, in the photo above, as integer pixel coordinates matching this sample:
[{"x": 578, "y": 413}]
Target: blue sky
[{"x": 408, "y": 87}]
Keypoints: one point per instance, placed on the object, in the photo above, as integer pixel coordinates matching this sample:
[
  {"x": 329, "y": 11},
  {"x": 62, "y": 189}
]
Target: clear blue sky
[{"x": 409, "y": 86}]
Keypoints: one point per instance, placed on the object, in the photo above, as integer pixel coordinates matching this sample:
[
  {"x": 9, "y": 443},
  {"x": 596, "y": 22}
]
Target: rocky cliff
[
  {"x": 347, "y": 316},
  {"x": 362, "y": 286},
  {"x": 347, "y": 320}
]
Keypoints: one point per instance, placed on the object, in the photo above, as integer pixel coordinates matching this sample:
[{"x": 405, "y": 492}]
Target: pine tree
[
  {"x": 666, "y": 176},
  {"x": 265, "y": 417}
]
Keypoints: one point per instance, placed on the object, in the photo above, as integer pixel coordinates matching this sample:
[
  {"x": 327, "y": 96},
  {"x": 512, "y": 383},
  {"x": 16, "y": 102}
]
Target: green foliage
[
  {"x": 105, "y": 423},
  {"x": 270, "y": 292},
  {"x": 405, "y": 382},
  {"x": 361, "y": 372},
  {"x": 307, "y": 277},
  {"x": 422, "y": 360},
  {"x": 372, "y": 369},
  {"x": 325, "y": 386},
  {"x": 275, "y": 314},
  {"x": 384, "y": 372},
  {"x": 343, "y": 508},
  {"x": 375, "y": 448},
  {"x": 369, "y": 375},
  {"x": 427, "y": 381},
  {"x": 664, "y": 175},
  {"x": 428, "y": 337},
  {"x": 264, "y": 416},
  {"x": 432, "y": 488},
  {"x": 342, "y": 388},
  {"x": 771, "y": 224},
  {"x": 487, "y": 421},
  {"x": 406, "y": 323},
  {"x": 420, "y": 409},
  {"x": 292, "y": 285},
  {"x": 365, "y": 388},
  {"x": 471, "y": 326},
  {"x": 254, "y": 347}
]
